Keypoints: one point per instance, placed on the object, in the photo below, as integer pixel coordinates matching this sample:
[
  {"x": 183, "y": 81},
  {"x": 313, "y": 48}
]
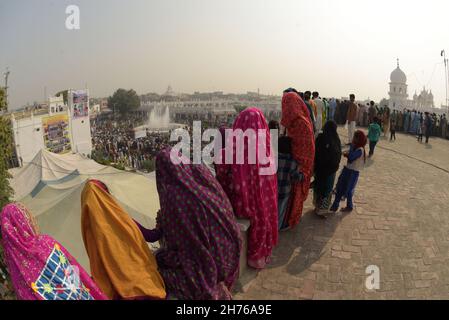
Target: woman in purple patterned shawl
[{"x": 199, "y": 258}]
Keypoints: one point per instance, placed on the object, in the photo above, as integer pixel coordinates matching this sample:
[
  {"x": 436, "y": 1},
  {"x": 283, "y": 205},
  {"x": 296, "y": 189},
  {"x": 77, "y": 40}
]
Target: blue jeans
[
  {"x": 346, "y": 188},
  {"x": 372, "y": 146}
]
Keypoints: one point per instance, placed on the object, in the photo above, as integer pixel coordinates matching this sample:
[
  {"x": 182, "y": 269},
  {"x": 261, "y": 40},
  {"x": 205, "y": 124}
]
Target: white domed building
[
  {"x": 398, "y": 94},
  {"x": 398, "y": 89},
  {"x": 424, "y": 100}
]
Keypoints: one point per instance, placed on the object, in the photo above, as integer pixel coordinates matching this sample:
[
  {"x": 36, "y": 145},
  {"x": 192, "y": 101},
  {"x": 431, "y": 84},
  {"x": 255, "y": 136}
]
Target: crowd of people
[
  {"x": 200, "y": 240},
  {"x": 407, "y": 121},
  {"x": 114, "y": 141},
  {"x": 196, "y": 226}
]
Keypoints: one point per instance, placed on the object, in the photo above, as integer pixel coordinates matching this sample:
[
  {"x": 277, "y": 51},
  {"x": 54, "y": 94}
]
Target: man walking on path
[
  {"x": 393, "y": 130},
  {"x": 427, "y": 126},
  {"x": 374, "y": 132},
  {"x": 332, "y": 108},
  {"x": 372, "y": 112},
  {"x": 351, "y": 117},
  {"x": 443, "y": 124}
]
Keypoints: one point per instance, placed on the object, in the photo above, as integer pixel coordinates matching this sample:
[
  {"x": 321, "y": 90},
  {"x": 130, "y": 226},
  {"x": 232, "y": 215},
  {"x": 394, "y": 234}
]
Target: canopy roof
[{"x": 51, "y": 185}]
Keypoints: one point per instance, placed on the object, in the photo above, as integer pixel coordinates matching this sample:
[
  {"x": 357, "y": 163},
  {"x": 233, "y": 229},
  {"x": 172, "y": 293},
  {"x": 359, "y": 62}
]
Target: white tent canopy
[{"x": 51, "y": 185}]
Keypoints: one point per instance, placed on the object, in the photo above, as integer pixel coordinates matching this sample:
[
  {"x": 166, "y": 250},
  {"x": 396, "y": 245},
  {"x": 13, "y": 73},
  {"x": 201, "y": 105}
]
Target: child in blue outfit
[{"x": 349, "y": 177}]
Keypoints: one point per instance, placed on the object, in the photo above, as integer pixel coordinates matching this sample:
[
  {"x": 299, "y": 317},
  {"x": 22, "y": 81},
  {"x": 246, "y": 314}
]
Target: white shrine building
[{"x": 398, "y": 94}]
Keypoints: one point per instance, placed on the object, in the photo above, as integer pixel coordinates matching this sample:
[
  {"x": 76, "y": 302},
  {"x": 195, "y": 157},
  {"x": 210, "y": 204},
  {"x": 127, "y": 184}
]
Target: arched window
[
  {"x": 394, "y": 89},
  {"x": 400, "y": 90}
]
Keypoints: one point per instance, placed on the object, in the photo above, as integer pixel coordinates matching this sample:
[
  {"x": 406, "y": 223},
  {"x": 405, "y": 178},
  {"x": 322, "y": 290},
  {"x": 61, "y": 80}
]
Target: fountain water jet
[
  {"x": 158, "y": 121},
  {"x": 159, "y": 118}
]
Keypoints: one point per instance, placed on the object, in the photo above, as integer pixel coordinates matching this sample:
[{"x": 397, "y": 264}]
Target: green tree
[
  {"x": 100, "y": 157},
  {"x": 149, "y": 165},
  {"x": 6, "y": 288},
  {"x": 124, "y": 101},
  {"x": 2, "y": 99},
  {"x": 6, "y": 191}
]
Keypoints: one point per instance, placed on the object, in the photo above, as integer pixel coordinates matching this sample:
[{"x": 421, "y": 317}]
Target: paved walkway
[{"x": 400, "y": 224}]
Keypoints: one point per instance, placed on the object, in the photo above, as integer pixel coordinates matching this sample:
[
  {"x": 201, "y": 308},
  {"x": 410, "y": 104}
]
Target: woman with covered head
[
  {"x": 120, "y": 259},
  {"x": 327, "y": 162},
  {"x": 39, "y": 266},
  {"x": 299, "y": 128},
  {"x": 200, "y": 245},
  {"x": 252, "y": 185}
]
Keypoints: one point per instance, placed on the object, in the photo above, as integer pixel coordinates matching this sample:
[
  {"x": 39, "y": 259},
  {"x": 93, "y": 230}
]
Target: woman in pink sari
[
  {"x": 40, "y": 267},
  {"x": 253, "y": 192}
]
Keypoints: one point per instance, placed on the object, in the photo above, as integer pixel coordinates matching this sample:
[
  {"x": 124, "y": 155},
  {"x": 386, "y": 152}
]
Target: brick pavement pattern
[{"x": 400, "y": 224}]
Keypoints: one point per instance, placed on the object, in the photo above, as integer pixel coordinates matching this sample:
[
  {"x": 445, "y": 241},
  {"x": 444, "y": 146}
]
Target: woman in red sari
[{"x": 295, "y": 118}]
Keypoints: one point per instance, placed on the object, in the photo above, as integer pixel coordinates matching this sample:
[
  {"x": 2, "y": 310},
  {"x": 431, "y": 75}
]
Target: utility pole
[
  {"x": 6, "y": 74},
  {"x": 443, "y": 54}
]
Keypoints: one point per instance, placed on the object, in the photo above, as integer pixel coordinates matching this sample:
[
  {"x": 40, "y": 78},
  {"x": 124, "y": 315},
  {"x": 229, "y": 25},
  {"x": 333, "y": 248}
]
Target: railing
[{"x": 27, "y": 113}]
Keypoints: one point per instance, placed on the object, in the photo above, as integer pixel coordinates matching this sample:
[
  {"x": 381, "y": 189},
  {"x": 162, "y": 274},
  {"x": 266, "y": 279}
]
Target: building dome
[{"x": 398, "y": 76}]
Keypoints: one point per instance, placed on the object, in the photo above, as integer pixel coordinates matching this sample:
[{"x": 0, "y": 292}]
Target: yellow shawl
[{"x": 121, "y": 263}]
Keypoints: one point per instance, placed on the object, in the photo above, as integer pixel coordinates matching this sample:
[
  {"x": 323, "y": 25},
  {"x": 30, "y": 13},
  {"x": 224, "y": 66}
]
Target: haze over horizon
[{"x": 335, "y": 47}]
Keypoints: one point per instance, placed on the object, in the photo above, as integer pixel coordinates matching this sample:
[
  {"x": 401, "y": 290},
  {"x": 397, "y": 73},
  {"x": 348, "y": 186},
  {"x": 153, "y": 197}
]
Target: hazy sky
[{"x": 333, "y": 46}]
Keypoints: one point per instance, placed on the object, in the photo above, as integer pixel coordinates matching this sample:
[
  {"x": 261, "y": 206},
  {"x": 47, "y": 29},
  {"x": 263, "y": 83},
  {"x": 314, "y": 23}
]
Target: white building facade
[
  {"x": 28, "y": 136},
  {"x": 398, "y": 89},
  {"x": 398, "y": 95},
  {"x": 80, "y": 123},
  {"x": 56, "y": 128}
]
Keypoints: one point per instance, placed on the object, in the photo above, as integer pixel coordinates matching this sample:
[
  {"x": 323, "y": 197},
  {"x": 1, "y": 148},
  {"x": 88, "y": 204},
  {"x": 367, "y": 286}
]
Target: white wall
[
  {"x": 81, "y": 137},
  {"x": 55, "y": 103},
  {"x": 28, "y": 137},
  {"x": 29, "y": 134},
  {"x": 80, "y": 130}
]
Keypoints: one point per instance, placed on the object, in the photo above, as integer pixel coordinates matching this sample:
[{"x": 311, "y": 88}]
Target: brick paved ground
[{"x": 400, "y": 224}]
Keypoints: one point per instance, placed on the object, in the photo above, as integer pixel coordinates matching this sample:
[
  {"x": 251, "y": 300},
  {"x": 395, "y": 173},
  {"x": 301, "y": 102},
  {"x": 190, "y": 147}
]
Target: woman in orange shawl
[
  {"x": 295, "y": 118},
  {"x": 120, "y": 260}
]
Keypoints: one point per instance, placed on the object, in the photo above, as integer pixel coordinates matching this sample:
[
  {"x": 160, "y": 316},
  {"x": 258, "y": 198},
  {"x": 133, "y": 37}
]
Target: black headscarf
[{"x": 327, "y": 150}]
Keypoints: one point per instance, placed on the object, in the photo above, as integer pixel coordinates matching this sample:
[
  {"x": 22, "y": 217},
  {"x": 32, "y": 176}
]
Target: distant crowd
[
  {"x": 405, "y": 120},
  {"x": 114, "y": 141}
]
